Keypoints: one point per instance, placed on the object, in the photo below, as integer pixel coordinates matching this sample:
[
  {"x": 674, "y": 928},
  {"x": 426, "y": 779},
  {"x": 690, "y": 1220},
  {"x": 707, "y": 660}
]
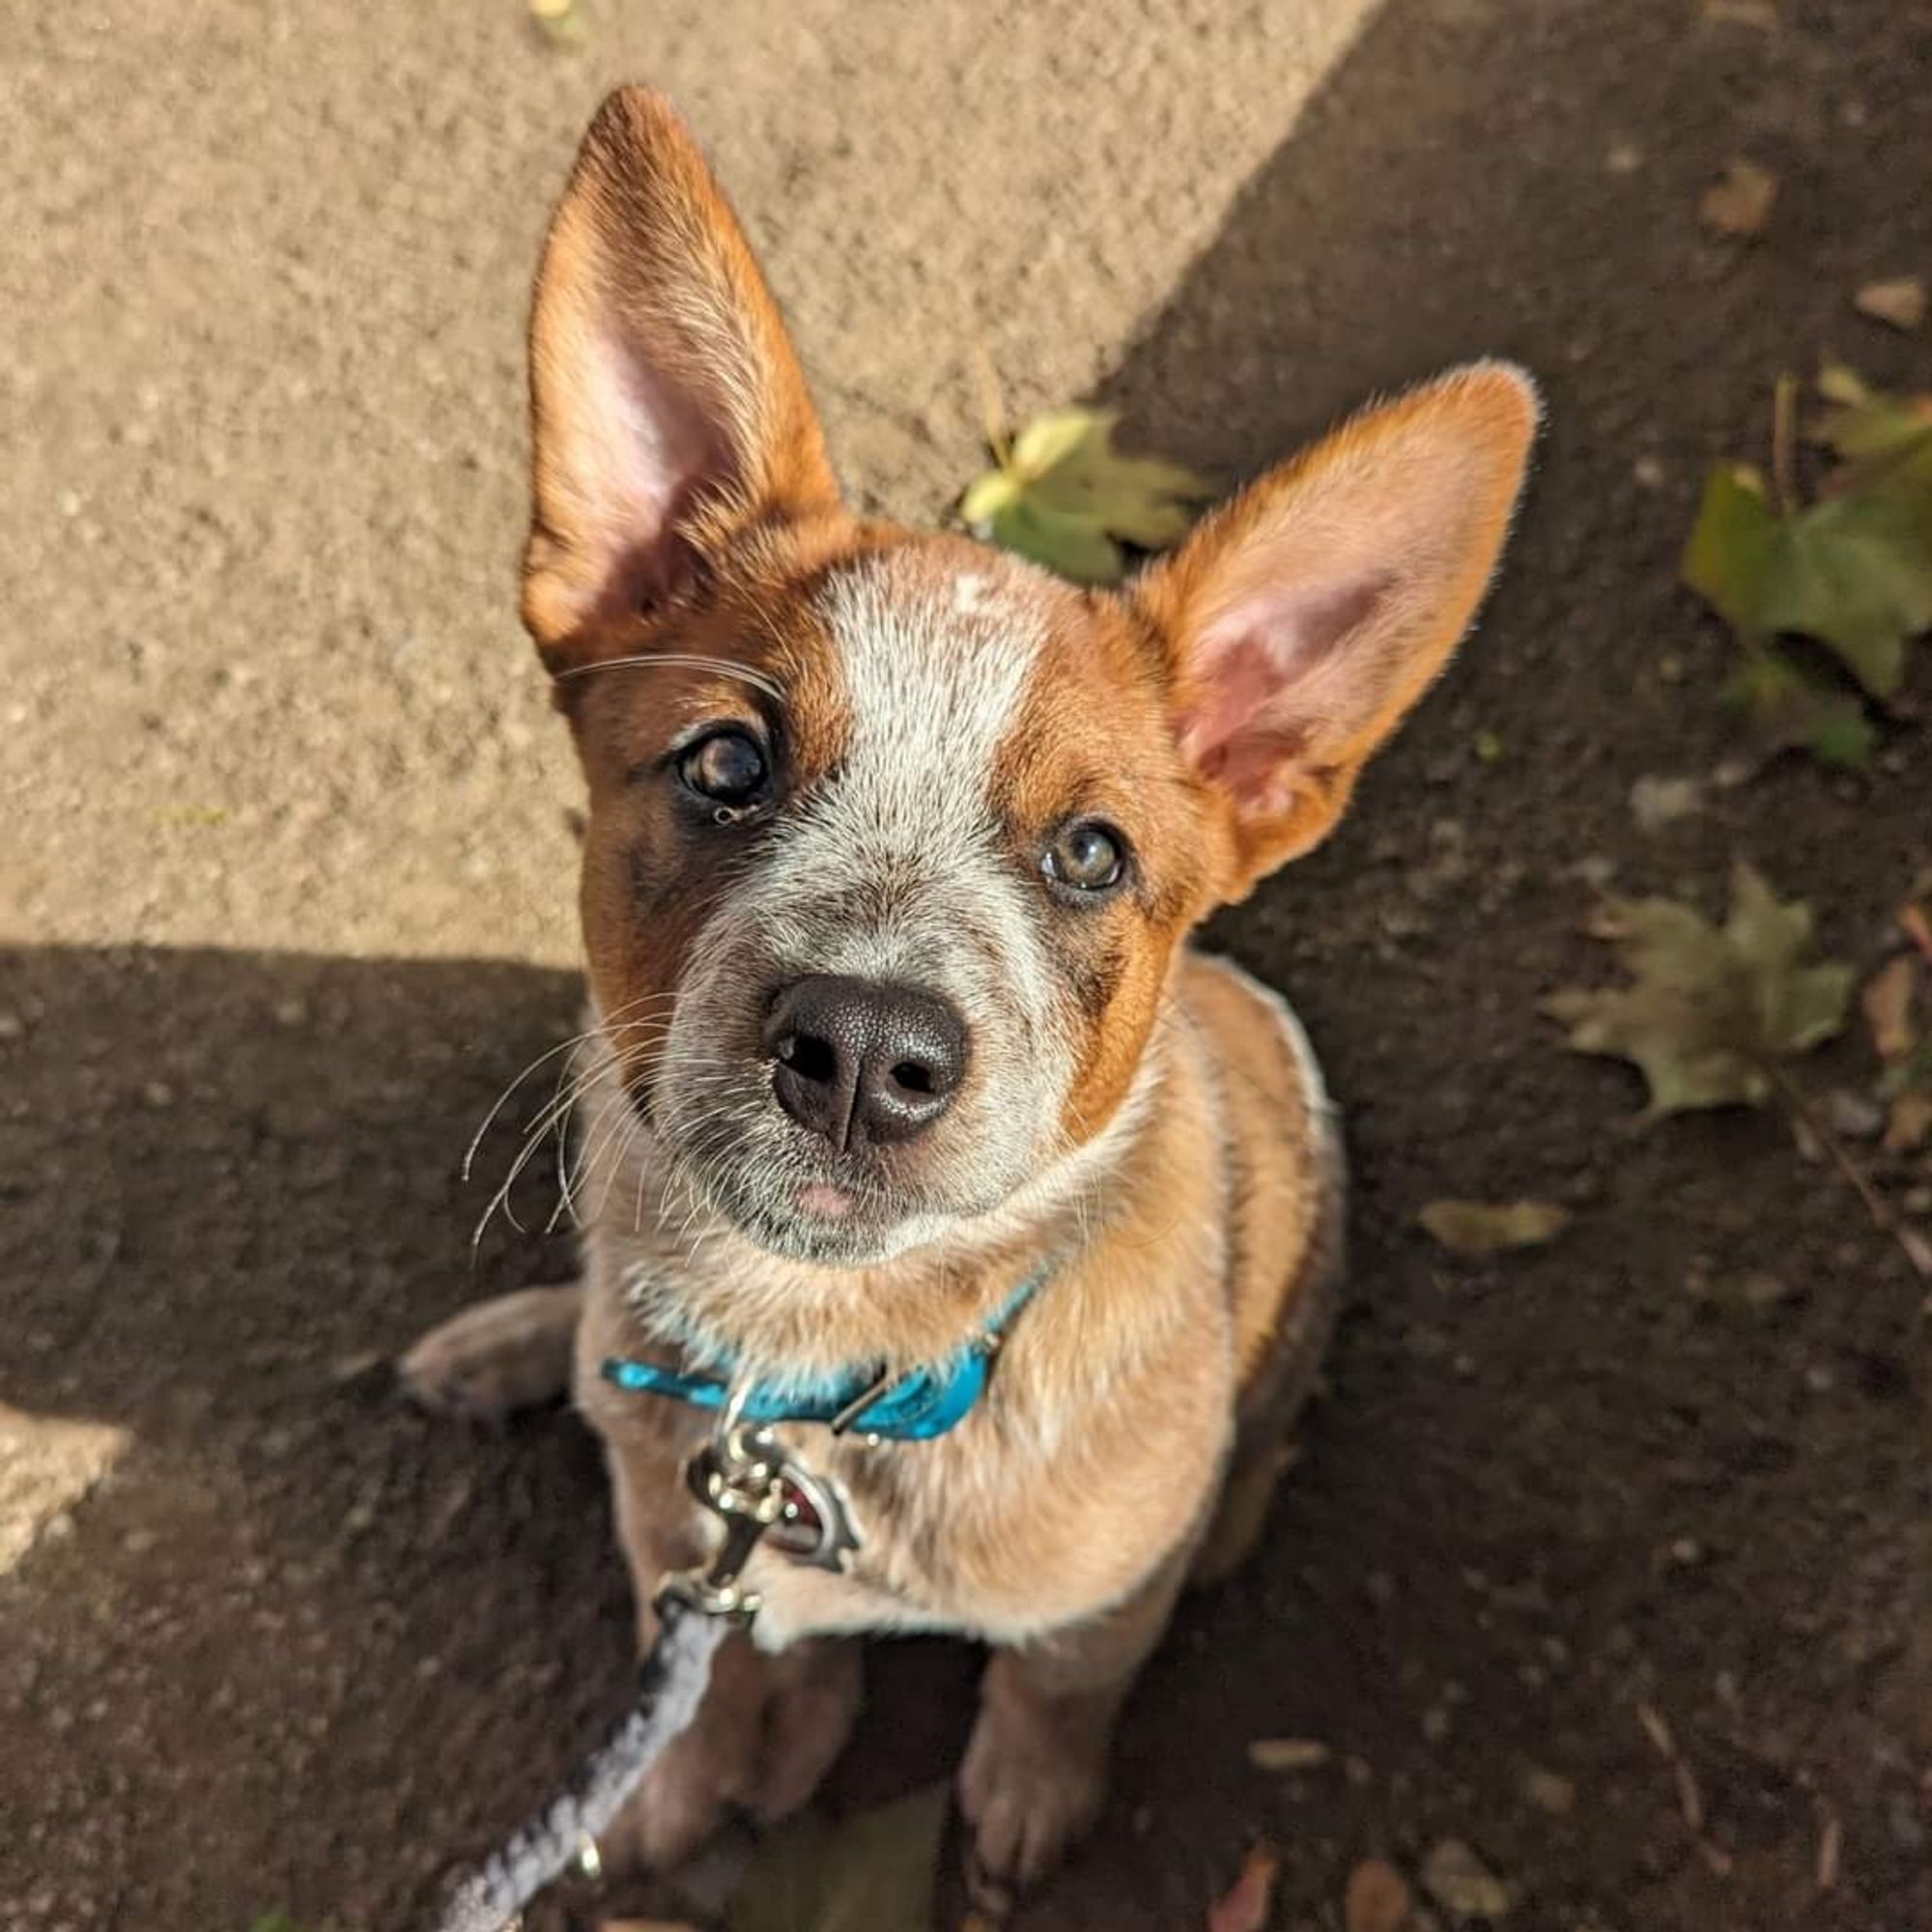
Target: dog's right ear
[{"x": 666, "y": 405}]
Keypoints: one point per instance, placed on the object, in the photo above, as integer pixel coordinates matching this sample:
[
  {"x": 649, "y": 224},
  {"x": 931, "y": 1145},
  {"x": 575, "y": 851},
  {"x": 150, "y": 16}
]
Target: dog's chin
[{"x": 807, "y": 1214}]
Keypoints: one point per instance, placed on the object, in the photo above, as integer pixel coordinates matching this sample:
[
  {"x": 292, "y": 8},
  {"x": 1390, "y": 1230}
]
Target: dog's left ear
[{"x": 1305, "y": 618}]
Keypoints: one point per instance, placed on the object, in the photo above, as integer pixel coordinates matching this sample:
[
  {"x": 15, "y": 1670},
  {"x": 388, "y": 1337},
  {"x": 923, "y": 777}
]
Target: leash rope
[
  {"x": 671, "y": 1682},
  {"x": 741, "y": 1477}
]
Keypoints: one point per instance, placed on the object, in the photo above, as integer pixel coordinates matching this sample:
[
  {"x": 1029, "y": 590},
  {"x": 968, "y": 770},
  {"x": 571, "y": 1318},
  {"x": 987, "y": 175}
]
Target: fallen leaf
[
  {"x": 1861, "y": 421},
  {"x": 1740, "y": 201},
  {"x": 1066, "y": 498},
  {"x": 1485, "y": 1228},
  {"x": 1887, "y": 1001},
  {"x": 1287, "y": 1753},
  {"x": 1377, "y": 1899},
  {"x": 1459, "y": 1881},
  {"x": 1656, "y": 802},
  {"x": 1909, "y": 1125},
  {"x": 1854, "y": 571},
  {"x": 1245, "y": 1906},
  {"x": 1549, "y": 1791},
  {"x": 1709, "y": 1011},
  {"x": 1786, "y": 707},
  {"x": 1898, "y": 303},
  {"x": 558, "y": 20},
  {"x": 871, "y": 1872}
]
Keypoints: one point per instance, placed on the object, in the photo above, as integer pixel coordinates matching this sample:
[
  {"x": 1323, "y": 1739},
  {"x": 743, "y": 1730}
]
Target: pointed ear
[
  {"x": 666, "y": 405},
  {"x": 1306, "y": 616}
]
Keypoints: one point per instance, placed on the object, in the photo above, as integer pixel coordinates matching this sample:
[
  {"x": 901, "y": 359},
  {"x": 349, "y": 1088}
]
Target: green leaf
[
  {"x": 1786, "y": 706},
  {"x": 1709, "y": 1012},
  {"x": 872, "y": 1872},
  {"x": 1866, "y": 422},
  {"x": 1486, "y": 1228},
  {"x": 1854, "y": 571},
  {"x": 1074, "y": 546},
  {"x": 1066, "y": 499}
]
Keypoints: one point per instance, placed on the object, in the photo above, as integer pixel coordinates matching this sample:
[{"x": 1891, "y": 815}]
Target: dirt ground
[{"x": 287, "y": 901}]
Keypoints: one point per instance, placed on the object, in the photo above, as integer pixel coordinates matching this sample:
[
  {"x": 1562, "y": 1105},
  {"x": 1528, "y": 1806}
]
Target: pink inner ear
[
  {"x": 645, "y": 450},
  {"x": 1270, "y": 675}
]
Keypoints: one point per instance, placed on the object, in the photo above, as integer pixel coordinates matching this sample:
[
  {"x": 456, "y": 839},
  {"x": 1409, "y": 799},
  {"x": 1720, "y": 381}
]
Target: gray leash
[
  {"x": 671, "y": 1685},
  {"x": 742, "y": 1478}
]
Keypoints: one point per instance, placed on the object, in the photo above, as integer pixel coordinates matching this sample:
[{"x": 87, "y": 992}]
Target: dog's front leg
[
  {"x": 771, "y": 1723},
  {"x": 1036, "y": 1772}
]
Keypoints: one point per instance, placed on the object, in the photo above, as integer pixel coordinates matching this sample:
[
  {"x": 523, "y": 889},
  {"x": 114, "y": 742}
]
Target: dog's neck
[{"x": 702, "y": 1289}]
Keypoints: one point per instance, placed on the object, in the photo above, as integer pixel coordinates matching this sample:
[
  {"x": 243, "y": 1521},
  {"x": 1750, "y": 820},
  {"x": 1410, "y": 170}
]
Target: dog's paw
[
  {"x": 1029, "y": 1789},
  {"x": 508, "y": 1353}
]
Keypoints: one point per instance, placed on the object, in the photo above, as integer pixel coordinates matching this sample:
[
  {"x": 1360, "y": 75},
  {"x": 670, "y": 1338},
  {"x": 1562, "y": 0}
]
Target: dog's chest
[{"x": 882, "y": 1528}]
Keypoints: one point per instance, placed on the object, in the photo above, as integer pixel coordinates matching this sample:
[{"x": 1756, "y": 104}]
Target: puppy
[{"x": 898, "y": 1052}]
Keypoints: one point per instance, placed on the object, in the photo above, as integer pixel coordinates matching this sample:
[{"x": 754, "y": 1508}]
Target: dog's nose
[{"x": 860, "y": 1061}]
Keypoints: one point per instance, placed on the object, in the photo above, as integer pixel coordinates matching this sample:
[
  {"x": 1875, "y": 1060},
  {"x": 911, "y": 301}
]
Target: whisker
[{"x": 685, "y": 661}]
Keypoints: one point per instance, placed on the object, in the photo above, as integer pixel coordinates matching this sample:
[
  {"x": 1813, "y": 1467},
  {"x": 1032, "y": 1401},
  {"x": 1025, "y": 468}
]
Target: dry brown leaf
[
  {"x": 1287, "y": 1753},
  {"x": 1245, "y": 1907},
  {"x": 1486, "y": 1228},
  {"x": 1462, "y": 1883},
  {"x": 1909, "y": 1124},
  {"x": 1899, "y": 304},
  {"x": 1740, "y": 202},
  {"x": 1377, "y": 1899},
  {"x": 1887, "y": 1006}
]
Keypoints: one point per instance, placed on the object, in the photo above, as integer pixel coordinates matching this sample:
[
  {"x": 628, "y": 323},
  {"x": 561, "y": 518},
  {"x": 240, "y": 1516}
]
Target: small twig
[
  {"x": 1830, "y": 1844},
  {"x": 1785, "y": 445},
  {"x": 1690, "y": 1793},
  {"x": 992, "y": 408},
  {"x": 1876, "y": 1205}
]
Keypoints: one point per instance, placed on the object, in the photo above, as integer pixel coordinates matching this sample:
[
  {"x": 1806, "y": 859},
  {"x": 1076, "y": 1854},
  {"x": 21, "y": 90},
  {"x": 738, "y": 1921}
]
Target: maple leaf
[
  {"x": 1710, "y": 1010},
  {"x": 1853, "y": 570},
  {"x": 1066, "y": 498}
]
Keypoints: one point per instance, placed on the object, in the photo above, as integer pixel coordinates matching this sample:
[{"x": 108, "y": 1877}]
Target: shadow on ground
[{"x": 301, "y": 1648}]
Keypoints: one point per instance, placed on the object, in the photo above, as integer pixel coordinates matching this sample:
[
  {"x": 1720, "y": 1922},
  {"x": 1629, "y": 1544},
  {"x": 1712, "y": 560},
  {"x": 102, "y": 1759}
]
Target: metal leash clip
[
  {"x": 744, "y": 1479},
  {"x": 740, "y": 1477}
]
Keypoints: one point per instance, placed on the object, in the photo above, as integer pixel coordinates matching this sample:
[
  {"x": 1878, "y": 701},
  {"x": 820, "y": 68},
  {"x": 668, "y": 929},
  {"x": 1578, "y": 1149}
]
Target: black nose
[{"x": 859, "y": 1061}]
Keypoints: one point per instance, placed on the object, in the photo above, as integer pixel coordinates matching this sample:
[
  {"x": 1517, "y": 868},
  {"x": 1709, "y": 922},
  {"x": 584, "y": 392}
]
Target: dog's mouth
[{"x": 802, "y": 1203}]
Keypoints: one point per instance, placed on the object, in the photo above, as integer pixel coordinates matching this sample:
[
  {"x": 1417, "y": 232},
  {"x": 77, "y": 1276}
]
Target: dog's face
[{"x": 893, "y": 838}]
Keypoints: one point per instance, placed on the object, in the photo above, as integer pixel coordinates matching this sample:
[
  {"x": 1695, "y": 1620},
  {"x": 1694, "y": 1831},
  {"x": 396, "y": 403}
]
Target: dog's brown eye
[
  {"x": 728, "y": 767},
  {"x": 1085, "y": 857}
]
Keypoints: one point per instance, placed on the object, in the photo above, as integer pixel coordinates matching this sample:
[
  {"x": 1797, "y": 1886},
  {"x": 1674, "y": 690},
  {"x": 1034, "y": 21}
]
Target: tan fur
[{"x": 1190, "y": 1220}]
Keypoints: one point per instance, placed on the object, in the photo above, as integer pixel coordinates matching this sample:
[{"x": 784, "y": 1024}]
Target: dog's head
[{"x": 893, "y": 838}]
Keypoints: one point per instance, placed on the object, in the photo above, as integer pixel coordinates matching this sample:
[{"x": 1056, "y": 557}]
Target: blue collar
[{"x": 916, "y": 1406}]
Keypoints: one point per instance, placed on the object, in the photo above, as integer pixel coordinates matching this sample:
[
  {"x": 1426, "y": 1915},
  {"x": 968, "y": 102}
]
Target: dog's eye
[
  {"x": 1085, "y": 857},
  {"x": 728, "y": 767}
]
